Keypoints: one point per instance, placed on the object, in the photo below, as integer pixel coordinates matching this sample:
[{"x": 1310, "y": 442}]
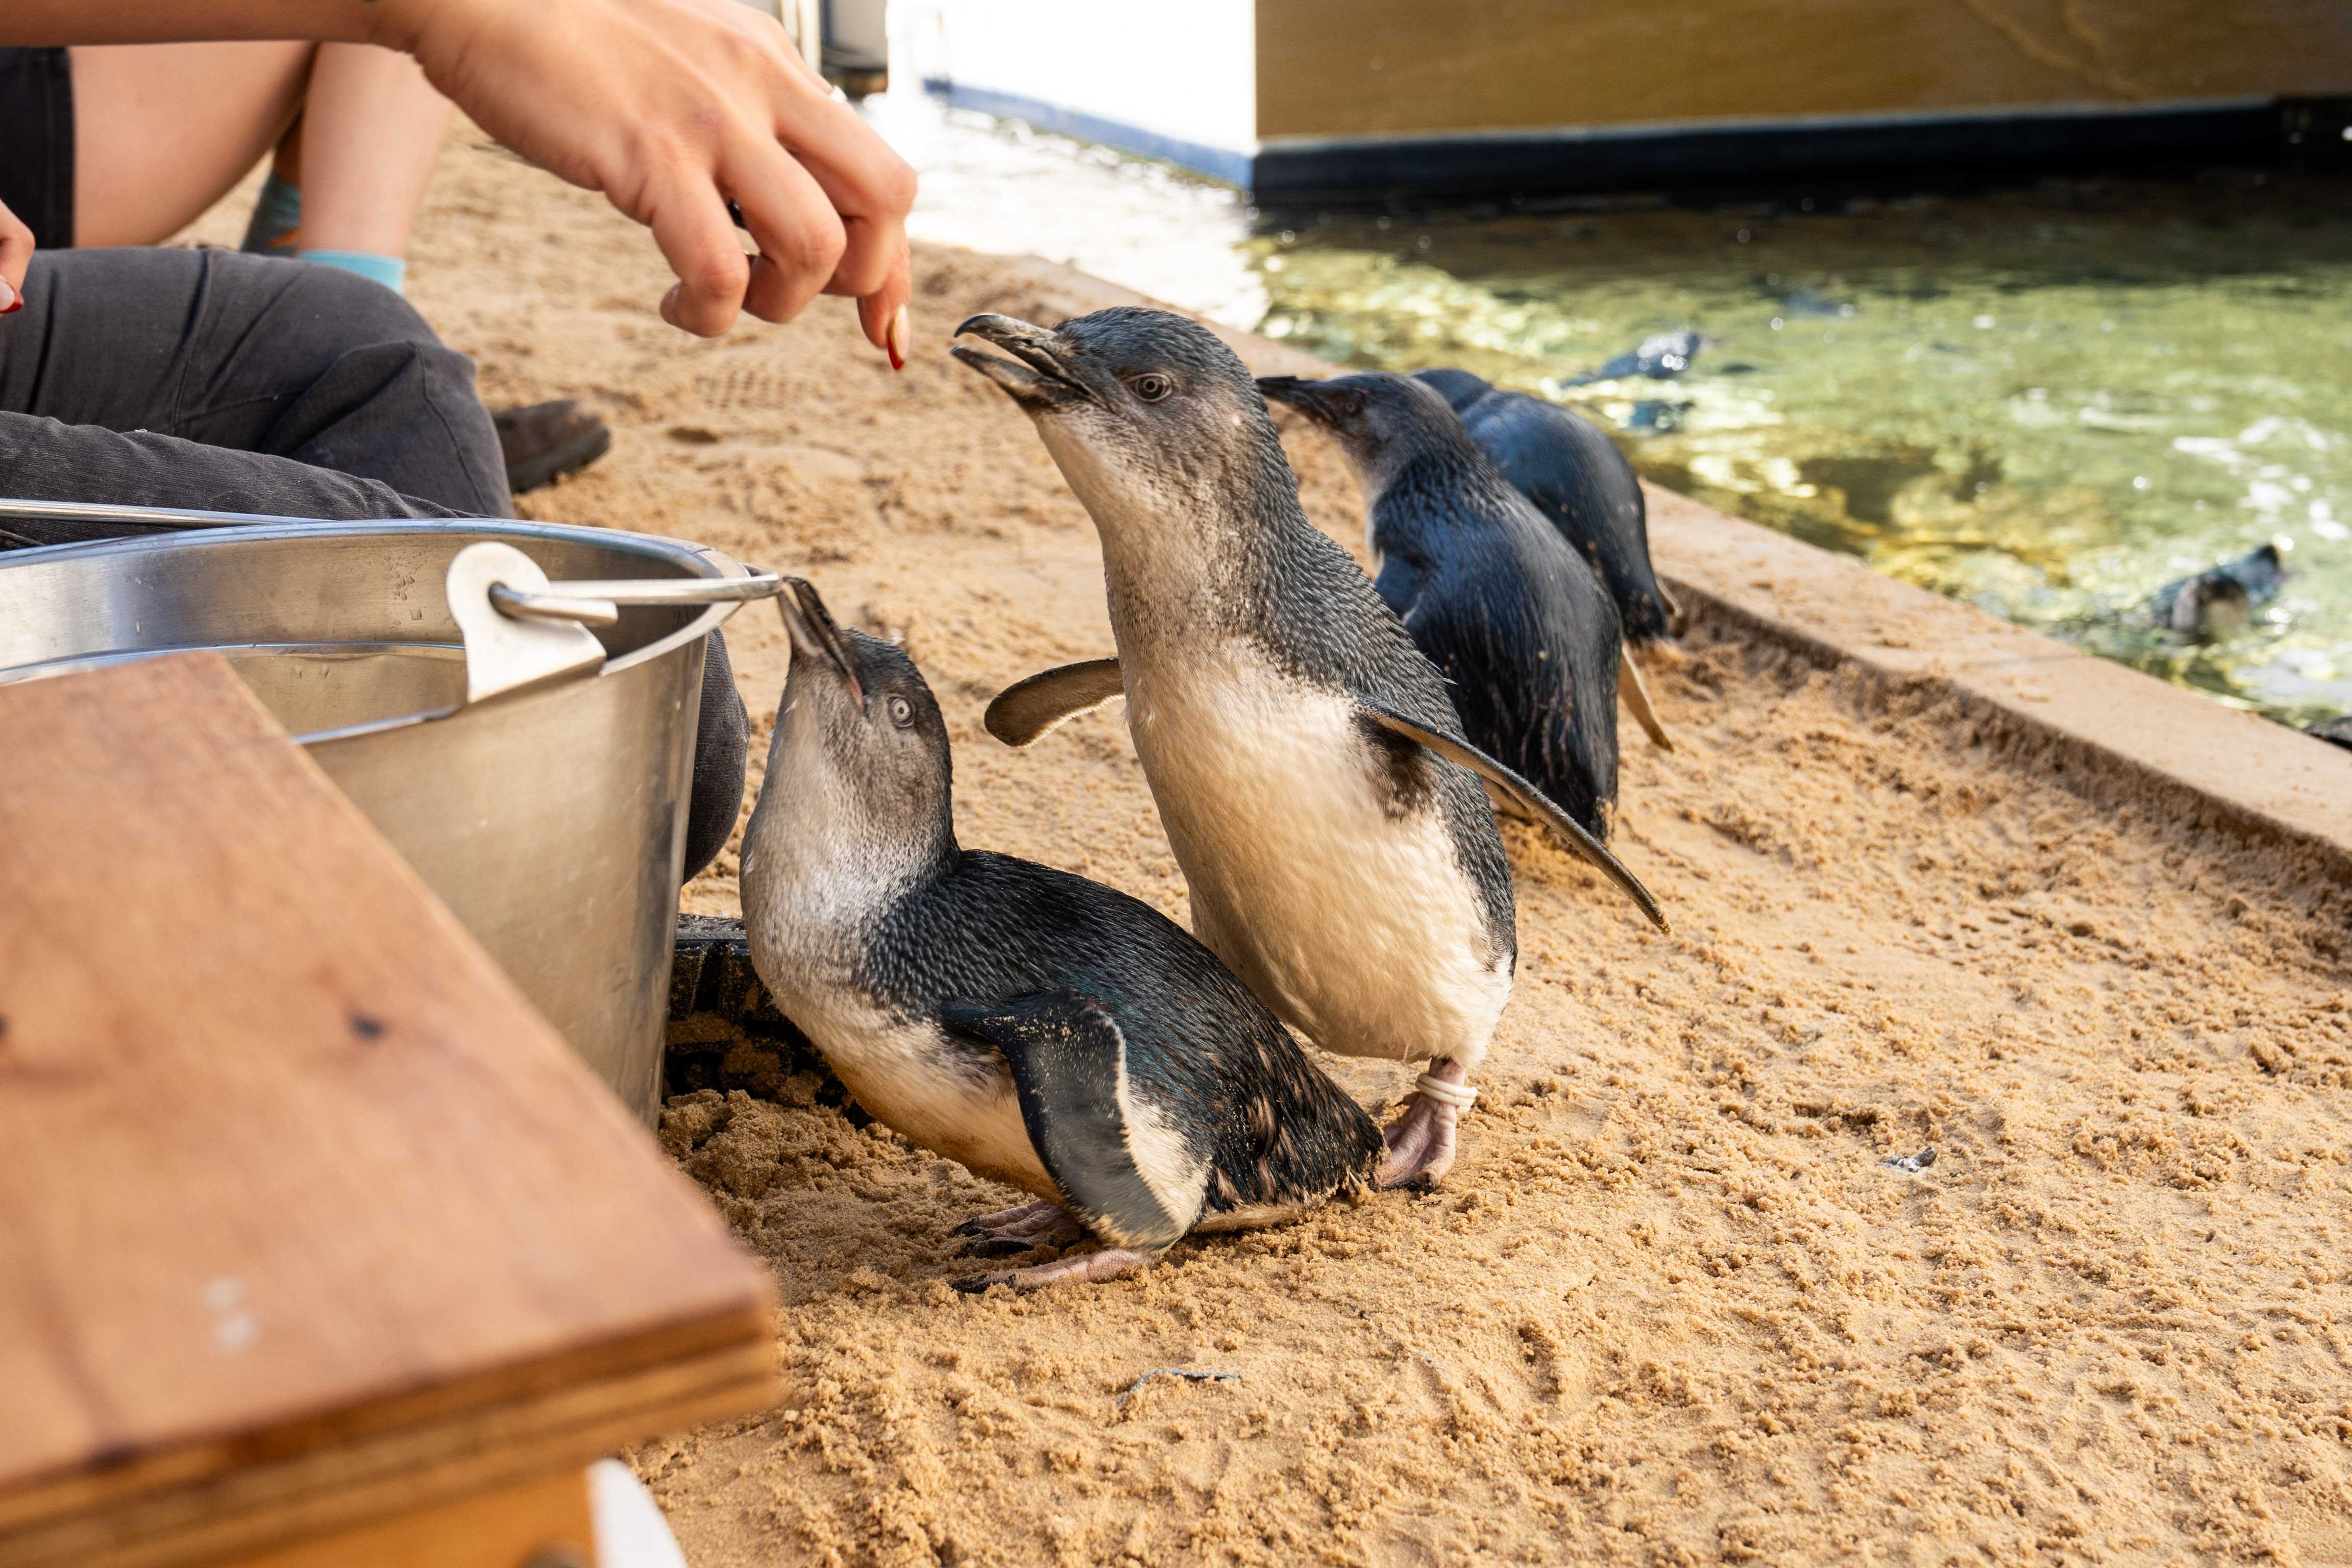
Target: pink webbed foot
[
  {"x": 1421, "y": 1140},
  {"x": 1038, "y": 1223},
  {"x": 1108, "y": 1263}
]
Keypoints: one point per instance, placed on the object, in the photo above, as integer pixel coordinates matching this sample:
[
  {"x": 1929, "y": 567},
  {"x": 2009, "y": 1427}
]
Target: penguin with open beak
[
  {"x": 1520, "y": 626},
  {"x": 1043, "y": 1030},
  {"x": 1584, "y": 487},
  {"x": 1310, "y": 773}
]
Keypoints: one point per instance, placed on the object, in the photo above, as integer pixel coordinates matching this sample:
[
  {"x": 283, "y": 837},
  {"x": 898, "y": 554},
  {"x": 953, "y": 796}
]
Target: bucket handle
[
  {"x": 521, "y": 630},
  {"x": 598, "y": 604}
]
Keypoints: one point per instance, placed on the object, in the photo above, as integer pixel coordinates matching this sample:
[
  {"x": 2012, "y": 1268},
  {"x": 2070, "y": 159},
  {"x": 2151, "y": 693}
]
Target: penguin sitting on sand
[
  {"x": 1577, "y": 479},
  {"x": 1522, "y": 628},
  {"x": 1043, "y": 1030},
  {"x": 1311, "y": 774}
]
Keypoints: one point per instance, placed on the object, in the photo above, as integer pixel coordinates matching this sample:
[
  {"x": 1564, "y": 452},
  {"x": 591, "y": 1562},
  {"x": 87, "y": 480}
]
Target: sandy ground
[{"x": 1672, "y": 1306}]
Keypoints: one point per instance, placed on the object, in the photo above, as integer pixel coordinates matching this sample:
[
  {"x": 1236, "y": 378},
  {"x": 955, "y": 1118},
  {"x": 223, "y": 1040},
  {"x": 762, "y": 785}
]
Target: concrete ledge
[
  {"x": 2106, "y": 731},
  {"x": 2110, "y": 732}
]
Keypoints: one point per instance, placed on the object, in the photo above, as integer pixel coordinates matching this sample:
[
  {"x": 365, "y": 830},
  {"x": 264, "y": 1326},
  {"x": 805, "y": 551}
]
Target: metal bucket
[{"x": 534, "y": 775}]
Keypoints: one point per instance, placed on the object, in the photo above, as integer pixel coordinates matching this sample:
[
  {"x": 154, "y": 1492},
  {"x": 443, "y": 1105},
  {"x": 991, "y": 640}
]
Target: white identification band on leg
[{"x": 1459, "y": 1096}]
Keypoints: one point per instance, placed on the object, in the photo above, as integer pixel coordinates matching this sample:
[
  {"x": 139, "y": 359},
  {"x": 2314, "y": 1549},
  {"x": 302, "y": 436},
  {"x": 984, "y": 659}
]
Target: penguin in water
[
  {"x": 1522, "y": 628},
  {"x": 2221, "y": 602},
  {"x": 1662, "y": 356},
  {"x": 1043, "y": 1030},
  {"x": 1580, "y": 480},
  {"x": 1312, "y": 777}
]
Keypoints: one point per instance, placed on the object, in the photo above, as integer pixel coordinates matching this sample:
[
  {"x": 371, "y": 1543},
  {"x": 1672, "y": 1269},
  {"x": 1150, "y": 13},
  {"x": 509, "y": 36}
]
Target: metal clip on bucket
[{"x": 522, "y": 629}]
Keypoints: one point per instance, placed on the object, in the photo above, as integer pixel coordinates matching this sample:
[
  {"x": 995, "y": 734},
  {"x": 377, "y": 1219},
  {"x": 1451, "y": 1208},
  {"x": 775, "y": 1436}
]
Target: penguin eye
[
  {"x": 1153, "y": 388},
  {"x": 902, "y": 713}
]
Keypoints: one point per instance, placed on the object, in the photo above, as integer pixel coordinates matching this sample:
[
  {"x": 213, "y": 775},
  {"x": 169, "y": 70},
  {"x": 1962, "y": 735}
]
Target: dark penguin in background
[
  {"x": 1584, "y": 487},
  {"x": 1577, "y": 479},
  {"x": 2221, "y": 602},
  {"x": 1310, "y": 773},
  {"x": 1520, "y": 626},
  {"x": 1041, "y": 1029},
  {"x": 1662, "y": 356}
]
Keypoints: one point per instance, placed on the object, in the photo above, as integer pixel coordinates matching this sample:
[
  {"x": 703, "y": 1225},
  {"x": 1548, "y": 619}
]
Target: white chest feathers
[{"x": 1356, "y": 925}]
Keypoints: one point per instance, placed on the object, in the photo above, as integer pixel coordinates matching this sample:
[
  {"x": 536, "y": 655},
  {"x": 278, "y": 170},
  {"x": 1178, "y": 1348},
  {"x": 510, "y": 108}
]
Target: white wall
[{"x": 1187, "y": 71}]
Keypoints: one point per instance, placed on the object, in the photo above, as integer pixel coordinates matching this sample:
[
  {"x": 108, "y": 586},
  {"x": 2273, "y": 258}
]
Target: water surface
[{"x": 2048, "y": 404}]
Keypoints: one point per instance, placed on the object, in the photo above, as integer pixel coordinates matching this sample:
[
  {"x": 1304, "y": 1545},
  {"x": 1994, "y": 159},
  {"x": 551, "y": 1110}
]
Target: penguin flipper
[
  {"x": 1530, "y": 800},
  {"x": 1028, "y": 711},
  {"x": 1069, "y": 1058},
  {"x": 1636, "y": 697}
]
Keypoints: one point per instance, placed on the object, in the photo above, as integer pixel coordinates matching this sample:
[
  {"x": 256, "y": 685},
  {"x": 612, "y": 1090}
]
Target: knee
[{"x": 342, "y": 307}]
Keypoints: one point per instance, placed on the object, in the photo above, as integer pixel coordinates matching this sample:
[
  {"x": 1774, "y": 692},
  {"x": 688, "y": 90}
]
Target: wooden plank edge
[
  {"x": 244, "y": 1511},
  {"x": 80, "y": 1489}
]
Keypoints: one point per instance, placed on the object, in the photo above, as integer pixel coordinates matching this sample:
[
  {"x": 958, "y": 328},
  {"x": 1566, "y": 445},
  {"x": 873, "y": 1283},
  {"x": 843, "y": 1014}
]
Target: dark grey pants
[{"x": 230, "y": 382}]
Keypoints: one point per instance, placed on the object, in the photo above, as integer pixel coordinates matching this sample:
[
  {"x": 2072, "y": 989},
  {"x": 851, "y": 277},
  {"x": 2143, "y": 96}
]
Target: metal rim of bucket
[{"x": 697, "y": 560}]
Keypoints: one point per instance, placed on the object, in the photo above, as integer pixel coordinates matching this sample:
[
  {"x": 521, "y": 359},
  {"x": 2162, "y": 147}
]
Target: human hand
[
  {"x": 16, "y": 255},
  {"x": 672, "y": 109}
]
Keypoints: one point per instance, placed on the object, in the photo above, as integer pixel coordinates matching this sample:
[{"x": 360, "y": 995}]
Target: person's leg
[
  {"x": 37, "y": 167},
  {"x": 164, "y": 130},
  {"x": 263, "y": 365},
  {"x": 371, "y": 130}
]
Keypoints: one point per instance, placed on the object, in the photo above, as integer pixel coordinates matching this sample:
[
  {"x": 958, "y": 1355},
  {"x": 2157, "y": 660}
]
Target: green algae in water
[{"x": 2047, "y": 403}]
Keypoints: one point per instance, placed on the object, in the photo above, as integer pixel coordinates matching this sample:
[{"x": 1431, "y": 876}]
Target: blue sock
[
  {"x": 276, "y": 217},
  {"x": 389, "y": 270}
]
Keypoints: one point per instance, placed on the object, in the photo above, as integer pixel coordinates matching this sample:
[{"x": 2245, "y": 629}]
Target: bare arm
[{"x": 670, "y": 108}]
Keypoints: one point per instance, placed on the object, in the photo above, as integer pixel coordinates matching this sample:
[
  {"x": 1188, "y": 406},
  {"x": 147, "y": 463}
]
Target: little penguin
[
  {"x": 1521, "y": 627},
  {"x": 1310, "y": 773},
  {"x": 1662, "y": 356},
  {"x": 1579, "y": 479},
  {"x": 1043, "y": 1030},
  {"x": 2221, "y": 602}
]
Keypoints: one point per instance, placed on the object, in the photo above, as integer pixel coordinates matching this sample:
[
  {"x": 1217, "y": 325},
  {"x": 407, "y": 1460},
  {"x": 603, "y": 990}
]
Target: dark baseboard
[{"x": 1789, "y": 156}]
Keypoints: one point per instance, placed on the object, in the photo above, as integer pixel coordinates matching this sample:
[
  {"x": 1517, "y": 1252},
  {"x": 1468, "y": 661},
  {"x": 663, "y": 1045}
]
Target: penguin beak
[
  {"x": 1038, "y": 383},
  {"x": 810, "y": 625},
  {"x": 1315, "y": 399}
]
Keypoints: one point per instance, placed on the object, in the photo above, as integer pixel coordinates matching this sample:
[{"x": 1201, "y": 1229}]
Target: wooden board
[
  {"x": 1385, "y": 68},
  {"x": 313, "y": 1218},
  {"x": 503, "y": 1528}
]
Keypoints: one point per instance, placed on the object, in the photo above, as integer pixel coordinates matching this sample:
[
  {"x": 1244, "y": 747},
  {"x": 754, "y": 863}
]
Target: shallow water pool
[{"x": 2048, "y": 403}]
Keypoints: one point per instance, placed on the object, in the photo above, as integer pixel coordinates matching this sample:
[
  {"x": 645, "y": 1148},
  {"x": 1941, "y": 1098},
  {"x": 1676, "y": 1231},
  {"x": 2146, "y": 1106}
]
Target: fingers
[
  {"x": 801, "y": 238},
  {"x": 16, "y": 255},
  {"x": 697, "y": 239},
  {"x": 883, "y": 312}
]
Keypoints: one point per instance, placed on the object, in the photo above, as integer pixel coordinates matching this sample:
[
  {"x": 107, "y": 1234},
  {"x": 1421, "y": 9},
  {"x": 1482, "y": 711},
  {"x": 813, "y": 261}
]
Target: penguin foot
[
  {"x": 1039, "y": 1223},
  {"x": 1108, "y": 1263},
  {"x": 993, "y": 1223},
  {"x": 1421, "y": 1140}
]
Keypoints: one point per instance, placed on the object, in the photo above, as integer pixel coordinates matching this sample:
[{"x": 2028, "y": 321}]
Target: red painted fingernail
[{"x": 896, "y": 338}]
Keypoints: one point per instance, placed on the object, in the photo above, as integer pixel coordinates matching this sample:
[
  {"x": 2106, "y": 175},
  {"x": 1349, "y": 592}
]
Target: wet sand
[{"x": 1672, "y": 1305}]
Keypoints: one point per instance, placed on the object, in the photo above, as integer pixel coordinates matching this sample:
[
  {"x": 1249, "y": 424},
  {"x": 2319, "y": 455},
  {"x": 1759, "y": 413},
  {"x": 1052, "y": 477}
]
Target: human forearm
[
  {"x": 671, "y": 108},
  {"x": 54, "y": 22}
]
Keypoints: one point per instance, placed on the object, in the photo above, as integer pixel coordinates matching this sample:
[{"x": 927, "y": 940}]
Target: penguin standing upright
[
  {"x": 1522, "y": 628},
  {"x": 1577, "y": 479},
  {"x": 1043, "y": 1030},
  {"x": 1310, "y": 773}
]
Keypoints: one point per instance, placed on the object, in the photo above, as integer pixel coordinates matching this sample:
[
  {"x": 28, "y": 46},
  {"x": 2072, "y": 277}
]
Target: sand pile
[{"x": 1672, "y": 1305}]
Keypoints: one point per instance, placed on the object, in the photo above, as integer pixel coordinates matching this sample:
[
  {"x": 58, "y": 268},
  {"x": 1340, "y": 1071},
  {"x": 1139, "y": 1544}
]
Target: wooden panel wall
[{"x": 1357, "y": 67}]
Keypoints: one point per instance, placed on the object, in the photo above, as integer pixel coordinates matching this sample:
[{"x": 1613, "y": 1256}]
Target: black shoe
[{"x": 547, "y": 440}]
